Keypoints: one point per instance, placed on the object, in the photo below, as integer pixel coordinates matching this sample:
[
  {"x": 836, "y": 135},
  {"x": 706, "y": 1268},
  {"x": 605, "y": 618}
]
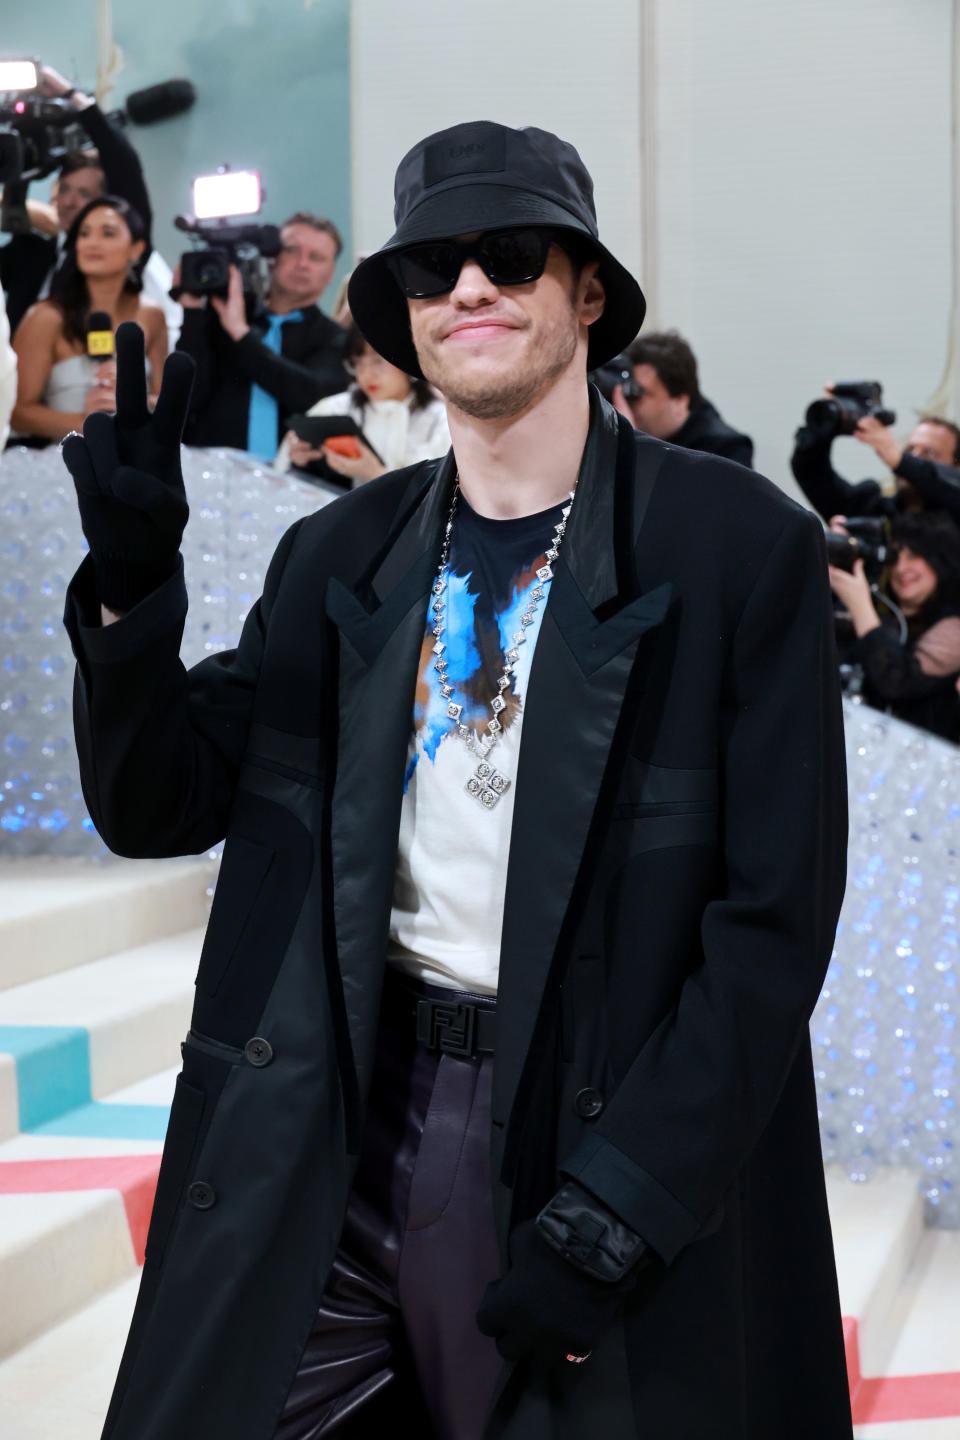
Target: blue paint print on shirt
[{"x": 493, "y": 565}]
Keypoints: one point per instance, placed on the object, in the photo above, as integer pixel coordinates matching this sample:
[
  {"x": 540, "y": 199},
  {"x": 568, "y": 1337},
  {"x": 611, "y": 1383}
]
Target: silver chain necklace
[{"x": 487, "y": 784}]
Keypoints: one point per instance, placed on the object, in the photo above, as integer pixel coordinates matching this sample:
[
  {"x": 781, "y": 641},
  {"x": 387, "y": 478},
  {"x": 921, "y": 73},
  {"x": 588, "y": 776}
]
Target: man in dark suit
[
  {"x": 497, "y": 1112},
  {"x": 113, "y": 168},
  {"x": 666, "y": 400},
  {"x": 258, "y": 365}
]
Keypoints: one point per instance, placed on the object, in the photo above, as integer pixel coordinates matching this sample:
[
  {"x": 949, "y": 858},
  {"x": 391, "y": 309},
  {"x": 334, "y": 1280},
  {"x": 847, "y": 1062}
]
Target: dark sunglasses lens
[
  {"x": 512, "y": 257},
  {"x": 427, "y": 269}
]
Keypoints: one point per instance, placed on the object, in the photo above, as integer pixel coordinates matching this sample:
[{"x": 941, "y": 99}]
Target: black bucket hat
[{"x": 485, "y": 176}]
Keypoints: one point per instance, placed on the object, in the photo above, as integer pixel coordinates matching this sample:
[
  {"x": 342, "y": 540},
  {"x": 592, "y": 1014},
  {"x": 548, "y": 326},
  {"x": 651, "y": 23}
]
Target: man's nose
[{"x": 473, "y": 286}]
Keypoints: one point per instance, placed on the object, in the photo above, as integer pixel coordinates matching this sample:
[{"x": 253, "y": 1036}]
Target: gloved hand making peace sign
[{"x": 126, "y": 469}]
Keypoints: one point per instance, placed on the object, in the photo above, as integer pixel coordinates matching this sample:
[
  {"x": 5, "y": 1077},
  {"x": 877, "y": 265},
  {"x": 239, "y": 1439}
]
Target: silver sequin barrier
[
  {"x": 238, "y": 511},
  {"x": 885, "y": 1032}
]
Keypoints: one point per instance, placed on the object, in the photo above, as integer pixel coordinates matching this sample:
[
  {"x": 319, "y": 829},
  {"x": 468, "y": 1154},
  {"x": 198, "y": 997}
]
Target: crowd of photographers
[{"x": 279, "y": 378}]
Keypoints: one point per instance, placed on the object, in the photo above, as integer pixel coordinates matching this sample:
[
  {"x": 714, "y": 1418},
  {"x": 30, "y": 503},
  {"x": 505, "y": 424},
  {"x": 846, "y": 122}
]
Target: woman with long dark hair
[
  {"x": 910, "y": 667},
  {"x": 400, "y": 415},
  {"x": 59, "y": 384}
]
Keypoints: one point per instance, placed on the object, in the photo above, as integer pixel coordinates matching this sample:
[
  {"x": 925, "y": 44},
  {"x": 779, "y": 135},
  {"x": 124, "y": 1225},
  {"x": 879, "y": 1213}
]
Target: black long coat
[{"x": 677, "y": 866}]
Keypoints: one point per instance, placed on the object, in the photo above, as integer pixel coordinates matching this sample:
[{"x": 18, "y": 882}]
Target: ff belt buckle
[{"x": 450, "y": 1028}]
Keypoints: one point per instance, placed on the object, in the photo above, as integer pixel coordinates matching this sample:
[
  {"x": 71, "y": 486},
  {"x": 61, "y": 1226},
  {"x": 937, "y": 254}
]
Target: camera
[
  {"x": 618, "y": 371},
  {"x": 218, "y": 200},
  {"x": 867, "y": 539},
  {"x": 35, "y": 135},
  {"x": 851, "y": 402}
]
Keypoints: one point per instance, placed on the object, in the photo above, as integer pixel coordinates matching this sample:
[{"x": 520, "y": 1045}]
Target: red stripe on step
[
  {"x": 135, "y": 1176},
  {"x": 894, "y": 1398}
]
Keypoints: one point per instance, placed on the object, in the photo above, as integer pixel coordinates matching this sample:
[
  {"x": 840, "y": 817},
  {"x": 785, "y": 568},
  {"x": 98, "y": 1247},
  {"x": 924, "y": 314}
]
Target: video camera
[
  {"x": 618, "y": 371},
  {"x": 35, "y": 136},
  {"x": 851, "y": 402},
  {"x": 218, "y": 199}
]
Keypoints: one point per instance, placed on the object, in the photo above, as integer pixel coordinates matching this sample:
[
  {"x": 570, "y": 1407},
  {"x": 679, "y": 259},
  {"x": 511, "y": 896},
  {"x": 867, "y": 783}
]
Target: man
[
  {"x": 535, "y": 816},
  {"x": 669, "y": 404},
  {"x": 257, "y": 367},
  {"x": 927, "y": 469},
  {"x": 27, "y": 261}
]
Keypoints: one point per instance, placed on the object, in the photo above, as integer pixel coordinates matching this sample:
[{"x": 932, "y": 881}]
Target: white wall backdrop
[
  {"x": 796, "y": 183},
  {"x": 421, "y": 65}
]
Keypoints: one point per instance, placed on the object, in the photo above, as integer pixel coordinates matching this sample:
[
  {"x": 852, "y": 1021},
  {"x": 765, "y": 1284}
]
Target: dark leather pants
[{"x": 395, "y": 1345}]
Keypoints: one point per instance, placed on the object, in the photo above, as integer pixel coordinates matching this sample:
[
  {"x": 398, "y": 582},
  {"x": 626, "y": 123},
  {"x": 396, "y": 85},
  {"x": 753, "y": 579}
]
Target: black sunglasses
[{"x": 506, "y": 257}]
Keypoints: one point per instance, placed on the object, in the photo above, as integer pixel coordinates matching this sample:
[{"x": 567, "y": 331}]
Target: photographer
[
  {"x": 27, "y": 261},
  {"x": 667, "y": 402},
  {"x": 910, "y": 669},
  {"x": 258, "y": 365},
  {"x": 927, "y": 468}
]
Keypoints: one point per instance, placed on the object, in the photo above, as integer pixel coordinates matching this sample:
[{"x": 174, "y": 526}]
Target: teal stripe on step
[
  {"x": 110, "y": 1122},
  {"x": 53, "y": 1069}
]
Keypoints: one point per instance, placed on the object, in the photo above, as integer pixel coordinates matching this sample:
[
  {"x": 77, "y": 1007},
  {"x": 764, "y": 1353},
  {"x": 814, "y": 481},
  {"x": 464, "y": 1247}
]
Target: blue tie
[{"x": 263, "y": 419}]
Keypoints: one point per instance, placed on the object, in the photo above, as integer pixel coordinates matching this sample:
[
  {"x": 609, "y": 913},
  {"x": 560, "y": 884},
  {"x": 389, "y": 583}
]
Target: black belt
[{"x": 456, "y": 1028}]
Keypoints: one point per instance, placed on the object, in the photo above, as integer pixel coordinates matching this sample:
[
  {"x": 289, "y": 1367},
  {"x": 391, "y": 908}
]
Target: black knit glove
[
  {"x": 570, "y": 1270},
  {"x": 126, "y": 469}
]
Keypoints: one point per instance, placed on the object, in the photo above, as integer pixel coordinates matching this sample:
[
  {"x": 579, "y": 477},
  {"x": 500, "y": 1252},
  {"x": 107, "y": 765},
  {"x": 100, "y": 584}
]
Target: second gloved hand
[
  {"x": 126, "y": 470},
  {"x": 561, "y": 1293}
]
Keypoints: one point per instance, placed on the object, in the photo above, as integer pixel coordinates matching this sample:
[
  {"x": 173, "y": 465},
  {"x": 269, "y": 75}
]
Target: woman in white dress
[
  {"x": 59, "y": 384},
  {"x": 399, "y": 414}
]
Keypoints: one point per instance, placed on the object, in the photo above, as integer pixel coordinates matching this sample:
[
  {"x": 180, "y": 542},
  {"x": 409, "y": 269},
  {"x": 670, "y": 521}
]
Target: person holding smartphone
[{"x": 398, "y": 413}]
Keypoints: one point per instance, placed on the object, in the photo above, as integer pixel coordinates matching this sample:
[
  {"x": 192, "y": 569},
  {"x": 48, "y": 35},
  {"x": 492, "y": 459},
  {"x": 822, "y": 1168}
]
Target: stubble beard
[{"x": 505, "y": 394}]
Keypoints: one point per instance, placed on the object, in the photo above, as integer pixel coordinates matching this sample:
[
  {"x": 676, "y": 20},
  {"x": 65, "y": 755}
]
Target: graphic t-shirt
[{"x": 452, "y": 862}]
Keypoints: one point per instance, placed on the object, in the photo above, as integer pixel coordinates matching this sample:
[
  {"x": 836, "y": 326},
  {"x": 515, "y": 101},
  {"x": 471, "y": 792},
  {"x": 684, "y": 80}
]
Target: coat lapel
[
  {"x": 380, "y": 622},
  {"x": 585, "y": 657}
]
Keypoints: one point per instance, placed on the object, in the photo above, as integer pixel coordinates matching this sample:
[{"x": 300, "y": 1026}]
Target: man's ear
[{"x": 592, "y": 296}]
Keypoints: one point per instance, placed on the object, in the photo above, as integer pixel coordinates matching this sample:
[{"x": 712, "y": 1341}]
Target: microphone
[
  {"x": 100, "y": 335},
  {"x": 160, "y": 102}
]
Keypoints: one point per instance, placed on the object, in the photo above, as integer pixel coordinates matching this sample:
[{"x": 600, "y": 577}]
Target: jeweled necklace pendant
[{"x": 487, "y": 784}]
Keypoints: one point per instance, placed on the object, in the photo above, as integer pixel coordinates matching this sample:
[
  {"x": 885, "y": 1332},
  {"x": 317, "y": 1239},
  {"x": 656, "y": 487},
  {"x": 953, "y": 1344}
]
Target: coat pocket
[
  {"x": 186, "y": 1115},
  {"x": 243, "y": 871}
]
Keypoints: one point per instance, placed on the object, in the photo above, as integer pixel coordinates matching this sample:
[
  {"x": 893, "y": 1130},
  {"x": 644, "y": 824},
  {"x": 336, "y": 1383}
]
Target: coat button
[
  {"x": 201, "y": 1195},
  {"x": 258, "y": 1051},
  {"x": 588, "y": 1102}
]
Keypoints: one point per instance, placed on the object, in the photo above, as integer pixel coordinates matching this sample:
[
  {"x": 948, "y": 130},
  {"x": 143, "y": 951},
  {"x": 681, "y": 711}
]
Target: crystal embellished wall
[
  {"x": 885, "y": 1032},
  {"x": 238, "y": 511}
]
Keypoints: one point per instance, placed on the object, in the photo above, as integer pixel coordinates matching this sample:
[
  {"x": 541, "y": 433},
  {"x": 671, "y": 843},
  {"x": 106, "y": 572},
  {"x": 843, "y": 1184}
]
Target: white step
[
  {"x": 56, "y": 1252},
  {"x": 135, "y": 1007},
  {"x": 877, "y": 1230},
  {"x": 59, "y": 1386},
  {"x": 929, "y": 1338},
  {"x": 65, "y": 1231},
  {"x": 55, "y": 914}
]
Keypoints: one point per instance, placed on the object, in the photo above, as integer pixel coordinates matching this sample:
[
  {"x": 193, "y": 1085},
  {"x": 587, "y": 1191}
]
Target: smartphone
[{"x": 318, "y": 429}]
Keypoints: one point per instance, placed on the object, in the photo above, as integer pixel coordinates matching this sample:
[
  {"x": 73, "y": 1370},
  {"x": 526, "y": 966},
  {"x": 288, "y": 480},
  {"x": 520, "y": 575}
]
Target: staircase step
[
  {"x": 59, "y": 1385},
  {"x": 57, "y": 1250},
  {"x": 78, "y": 1036},
  {"x": 56, "y": 914},
  {"x": 877, "y": 1230},
  {"x": 75, "y": 1208},
  {"x": 921, "y": 1383}
]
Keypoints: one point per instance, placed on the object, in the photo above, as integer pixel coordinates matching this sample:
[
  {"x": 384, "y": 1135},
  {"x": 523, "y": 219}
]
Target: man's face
[
  {"x": 305, "y": 265},
  {"x": 493, "y": 351},
  {"x": 71, "y": 192},
  {"x": 655, "y": 410},
  {"x": 932, "y": 442}
]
